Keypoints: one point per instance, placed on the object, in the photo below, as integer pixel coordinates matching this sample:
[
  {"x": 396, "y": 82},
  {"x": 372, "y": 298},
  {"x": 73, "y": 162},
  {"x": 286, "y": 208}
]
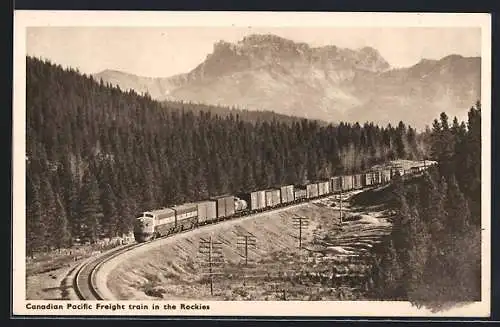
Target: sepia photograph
[{"x": 256, "y": 164}]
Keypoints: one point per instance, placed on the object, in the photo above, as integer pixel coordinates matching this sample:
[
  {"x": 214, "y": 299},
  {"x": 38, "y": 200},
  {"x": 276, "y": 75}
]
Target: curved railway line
[{"x": 84, "y": 281}]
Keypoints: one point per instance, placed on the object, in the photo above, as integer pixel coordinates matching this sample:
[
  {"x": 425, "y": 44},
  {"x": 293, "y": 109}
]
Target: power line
[
  {"x": 212, "y": 257},
  {"x": 300, "y": 223},
  {"x": 341, "y": 205},
  {"x": 245, "y": 242}
]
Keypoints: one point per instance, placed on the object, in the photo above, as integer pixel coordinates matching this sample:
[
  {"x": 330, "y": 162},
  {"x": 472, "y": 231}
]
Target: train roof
[
  {"x": 221, "y": 196},
  {"x": 205, "y": 201},
  {"x": 160, "y": 211},
  {"x": 184, "y": 206}
]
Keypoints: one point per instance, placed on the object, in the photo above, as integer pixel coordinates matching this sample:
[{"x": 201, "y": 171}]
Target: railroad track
[{"x": 84, "y": 282}]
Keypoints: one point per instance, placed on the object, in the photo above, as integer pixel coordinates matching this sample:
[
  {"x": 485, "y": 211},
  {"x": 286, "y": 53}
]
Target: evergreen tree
[
  {"x": 50, "y": 213},
  {"x": 109, "y": 223},
  {"x": 90, "y": 210},
  {"x": 35, "y": 225},
  {"x": 457, "y": 208},
  {"x": 419, "y": 240},
  {"x": 61, "y": 232}
]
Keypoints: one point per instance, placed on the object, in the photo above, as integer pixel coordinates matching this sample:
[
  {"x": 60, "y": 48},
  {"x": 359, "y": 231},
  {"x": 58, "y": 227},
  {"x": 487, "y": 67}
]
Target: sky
[{"x": 163, "y": 52}]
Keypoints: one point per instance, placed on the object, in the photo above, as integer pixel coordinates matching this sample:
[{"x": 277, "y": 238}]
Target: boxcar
[
  {"x": 328, "y": 189},
  {"x": 347, "y": 184},
  {"x": 269, "y": 199},
  {"x": 336, "y": 184},
  {"x": 312, "y": 190},
  {"x": 276, "y": 194},
  {"x": 386, "y": 175},
  {"x": 299, "y": 194},
  {"x": 287, "y": 195},
  {"x": 256, "y": 200},
  {"x": 368, "y": 179},
  {"x": 323, "y": 188},
  {"x": 207, "y": 212},
  {"x": 230, "y": 205},
  {"x": 376, "y": 177},
  {"x": 357, "y": 181},
  {"x": 225, "y": 205},
  {"x": 272, "y": 198}
]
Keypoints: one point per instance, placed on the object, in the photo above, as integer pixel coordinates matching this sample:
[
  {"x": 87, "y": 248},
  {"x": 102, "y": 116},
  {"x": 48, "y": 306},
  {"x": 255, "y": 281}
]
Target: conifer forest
[
  {"x": 96, "y": 156},
  {"x": 434, "y": 251}
]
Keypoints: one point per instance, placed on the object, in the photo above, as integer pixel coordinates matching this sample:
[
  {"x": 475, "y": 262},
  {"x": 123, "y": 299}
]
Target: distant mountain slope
[{"x": 268, "y": 72}]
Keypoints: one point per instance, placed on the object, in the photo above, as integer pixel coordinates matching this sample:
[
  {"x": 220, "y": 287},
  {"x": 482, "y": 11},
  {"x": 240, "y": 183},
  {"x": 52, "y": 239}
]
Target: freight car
[
  {"x": 207, "y": 212},
  {"x": 162, "y": 222},
  {"x": 287, "y": 194},
  {"x": 256, "y": 200},
  {"x": 323, "y": 188},
  {"x": 357, "y": 181},
  {"x": 347, "y": 183},
  {"x": 386, "y": 176},
  {"x": 224, "y": 206},
  {"x": 376, "y": 177},
  {"x": 270, "y": 198},
  {"x": 312, "y": 191},
  {"x": 300, "y": 194},
  {"x": 336, "y": 184},
  {"x": 368, "y": 179}
]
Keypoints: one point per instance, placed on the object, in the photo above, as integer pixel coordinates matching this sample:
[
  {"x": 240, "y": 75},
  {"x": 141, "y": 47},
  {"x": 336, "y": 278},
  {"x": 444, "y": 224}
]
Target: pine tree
[
  {"x": 61, "y": 232},
  {"x": 457, "y": 208},
  {"x": 419, "y": 240},
  {"x": 248, "y": 180},
  {"x": 126, "y": 213},
  {"x": 391, "y": 275},
  {"x": 110, "y": 212},
  {"x": 35, "y": 225},
  {"x": 50, "y": 213},
  {"x": 90, "y": 210}
]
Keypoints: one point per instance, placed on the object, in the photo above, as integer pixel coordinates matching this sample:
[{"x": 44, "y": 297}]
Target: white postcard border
[{"x": 23, "y": 19}]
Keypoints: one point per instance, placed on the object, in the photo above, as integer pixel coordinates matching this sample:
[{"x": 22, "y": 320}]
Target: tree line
[
  {"x": 97, "y": 155},
  {"x": 433, "y": 255}
]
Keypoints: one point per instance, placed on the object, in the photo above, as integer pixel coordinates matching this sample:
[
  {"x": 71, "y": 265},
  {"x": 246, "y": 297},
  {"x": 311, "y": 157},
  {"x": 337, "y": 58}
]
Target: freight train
[{"x": 162, "y": 222}]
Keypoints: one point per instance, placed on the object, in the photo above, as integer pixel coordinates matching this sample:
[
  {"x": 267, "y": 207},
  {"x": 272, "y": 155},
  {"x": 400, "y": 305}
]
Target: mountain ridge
[{"x": 268, "y": 72}]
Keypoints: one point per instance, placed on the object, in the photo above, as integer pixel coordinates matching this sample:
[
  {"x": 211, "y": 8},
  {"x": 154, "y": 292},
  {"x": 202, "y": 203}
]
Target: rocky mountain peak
[
  {"x": 257, "y": 50},
  {"x": 327, "y": 82}
]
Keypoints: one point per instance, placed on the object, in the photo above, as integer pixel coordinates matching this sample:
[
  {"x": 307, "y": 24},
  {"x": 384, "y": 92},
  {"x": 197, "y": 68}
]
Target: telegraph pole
[
  {"x": 245, "y": 242},
  {"x": 341, "y": 205},
  {"x": 212, "y": 257},
  {"x": 300, "y": 223}
]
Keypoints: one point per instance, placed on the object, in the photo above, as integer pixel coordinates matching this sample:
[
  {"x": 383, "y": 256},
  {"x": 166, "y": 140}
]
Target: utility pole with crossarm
[{"x": 212, "y": 257}]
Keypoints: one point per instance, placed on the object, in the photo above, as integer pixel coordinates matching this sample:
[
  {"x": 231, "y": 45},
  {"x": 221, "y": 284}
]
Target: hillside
[
  {"x": 327, "y": 83},
  {"x": 335, "y": 263}
]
